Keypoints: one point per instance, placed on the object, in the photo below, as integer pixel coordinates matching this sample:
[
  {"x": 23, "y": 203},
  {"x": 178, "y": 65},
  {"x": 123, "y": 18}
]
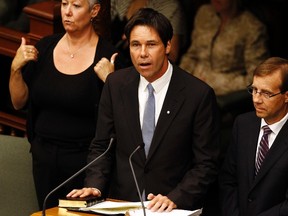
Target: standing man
[
  {"x": 180, "y": 163},
  {"x": 254, "y": 180}
]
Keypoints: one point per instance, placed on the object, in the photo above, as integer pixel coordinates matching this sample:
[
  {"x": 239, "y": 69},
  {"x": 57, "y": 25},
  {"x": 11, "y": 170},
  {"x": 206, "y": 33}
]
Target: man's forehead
[
  {"x": 145, "y": 33},
  {"x": 144, "y": 29},
  {"x": 272, "y": 80}
]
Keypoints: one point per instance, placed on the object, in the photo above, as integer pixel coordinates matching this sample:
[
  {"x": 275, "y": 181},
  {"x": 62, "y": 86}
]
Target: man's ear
[
  {"x": 168, "y": 48},
  {"x": 95, "y": 10},
  {"x": 286, "y": 97}
]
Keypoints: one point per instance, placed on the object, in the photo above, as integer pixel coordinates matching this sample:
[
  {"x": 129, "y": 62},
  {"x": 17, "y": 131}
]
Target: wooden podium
[
  {"x": 56, "y": 211},
  {"x": 62, "y": 212}
]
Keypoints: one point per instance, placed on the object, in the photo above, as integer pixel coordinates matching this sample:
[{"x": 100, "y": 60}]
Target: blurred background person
[
  {"x": 60, "y": 81},
  {"x": 227, "y": 43},
  {"x": 122, "y": 10},
  {"x": 6, "y": 9},
  {"x": 13, "y": 16}
]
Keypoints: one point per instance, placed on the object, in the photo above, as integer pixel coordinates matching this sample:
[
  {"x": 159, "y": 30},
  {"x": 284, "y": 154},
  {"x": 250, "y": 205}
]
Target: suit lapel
[
  {"x": 129, "y": 93},
  {"x": 279, "y": 147},
  {"x": 172, "y": 103},
  {"x": 252, "y": 148}
]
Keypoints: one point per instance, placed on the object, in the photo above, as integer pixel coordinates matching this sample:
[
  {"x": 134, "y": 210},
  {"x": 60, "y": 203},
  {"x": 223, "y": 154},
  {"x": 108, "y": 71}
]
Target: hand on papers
[
  {"x": 160, "y": 203},
  {"x": 84, "y": 192},
  {"x": 132, "y": 209}
]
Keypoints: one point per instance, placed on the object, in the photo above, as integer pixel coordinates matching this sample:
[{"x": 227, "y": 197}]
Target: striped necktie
[{"x": 262, "y": 149}]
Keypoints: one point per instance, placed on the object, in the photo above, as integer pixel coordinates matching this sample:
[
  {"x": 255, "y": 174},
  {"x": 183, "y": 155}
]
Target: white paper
[
  {"x": 132, "y": 209},
  {"x": 174, "y": 212},
  {"x": 110, "y": 207}
]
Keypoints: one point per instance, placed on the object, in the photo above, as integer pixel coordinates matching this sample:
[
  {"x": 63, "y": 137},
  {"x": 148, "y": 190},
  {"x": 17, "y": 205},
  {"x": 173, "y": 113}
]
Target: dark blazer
[
  {"x": 242, "y": 193},
  {"x": 183, "y": 158}
]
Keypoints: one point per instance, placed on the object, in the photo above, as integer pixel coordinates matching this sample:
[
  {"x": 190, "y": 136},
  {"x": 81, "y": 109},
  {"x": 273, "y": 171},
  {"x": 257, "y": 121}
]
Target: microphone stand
[
  {"x": 74, "y": 175},
  {"x": 135, "y": 180}
]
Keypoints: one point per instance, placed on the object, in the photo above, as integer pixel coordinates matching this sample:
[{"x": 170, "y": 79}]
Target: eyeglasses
[{"x": 253, "y": 91}]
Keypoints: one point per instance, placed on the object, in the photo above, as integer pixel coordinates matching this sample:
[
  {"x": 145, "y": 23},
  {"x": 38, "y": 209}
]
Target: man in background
[{"x": 254, "y": 179}]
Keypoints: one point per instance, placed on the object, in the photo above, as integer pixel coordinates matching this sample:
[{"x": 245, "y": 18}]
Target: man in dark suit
[
  {"x": 182, "y": 160},
  {"x": 254, "y": 179}
]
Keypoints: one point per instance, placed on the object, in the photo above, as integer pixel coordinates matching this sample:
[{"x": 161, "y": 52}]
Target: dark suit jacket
[
  {"x": 183, "y": 157},
  {"x": 242, "y": 193}
]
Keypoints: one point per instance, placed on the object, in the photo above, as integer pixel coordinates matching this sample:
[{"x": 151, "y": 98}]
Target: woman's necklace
[{"x": 72, "y": 54}]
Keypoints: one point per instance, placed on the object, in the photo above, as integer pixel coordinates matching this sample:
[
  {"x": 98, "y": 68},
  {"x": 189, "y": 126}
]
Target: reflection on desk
[
  {"x": 61, "y": 212},
  {"x": 57, "y": 211}
]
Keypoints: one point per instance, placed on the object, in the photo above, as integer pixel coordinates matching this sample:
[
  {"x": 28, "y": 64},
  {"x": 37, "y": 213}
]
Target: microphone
[
  {"x": 74, "y": 175},
  {"x": 134, "y": 176}
]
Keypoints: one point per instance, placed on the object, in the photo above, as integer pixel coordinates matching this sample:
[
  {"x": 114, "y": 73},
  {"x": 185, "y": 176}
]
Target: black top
[{"x": 63, "y": 107}]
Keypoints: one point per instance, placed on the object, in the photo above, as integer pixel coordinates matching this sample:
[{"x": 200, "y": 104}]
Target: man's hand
[
  {"x": 84, "y": 192},
  {"x": 160, "y": 203}
]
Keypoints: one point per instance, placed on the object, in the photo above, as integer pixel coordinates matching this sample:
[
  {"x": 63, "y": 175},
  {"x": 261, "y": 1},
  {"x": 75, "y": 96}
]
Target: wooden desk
[
  {"x": 56, "y": 211},
  {"x": 61, "y": 212}
]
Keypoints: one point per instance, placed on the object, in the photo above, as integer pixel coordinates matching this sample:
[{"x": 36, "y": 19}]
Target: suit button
[{"x": 250, "y": 200}]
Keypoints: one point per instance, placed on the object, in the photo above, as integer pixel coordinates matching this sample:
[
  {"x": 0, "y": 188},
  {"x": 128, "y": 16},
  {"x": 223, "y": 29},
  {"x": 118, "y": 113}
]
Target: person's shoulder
[
  {"x": 103, "y": 42},
  {"x": 123, "y": 74},
  {"x": 205, "y": 14},
  {"x": 126, "y": 72},
  {"x": 49, "y": 40},
  {"x": 105, "y": 48},
  {"x": 247, "y": 117},
  {"x": 249, "y": 18}
]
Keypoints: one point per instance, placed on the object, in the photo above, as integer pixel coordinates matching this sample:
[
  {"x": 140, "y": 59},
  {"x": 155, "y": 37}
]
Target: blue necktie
[
  {"x": 149, "y": 119},
  {"x": 263, "y": 148}
]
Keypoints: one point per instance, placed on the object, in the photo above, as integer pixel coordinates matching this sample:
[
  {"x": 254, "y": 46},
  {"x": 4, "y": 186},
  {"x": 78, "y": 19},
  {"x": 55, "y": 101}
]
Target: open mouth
[{"x": 145, "y": 64}]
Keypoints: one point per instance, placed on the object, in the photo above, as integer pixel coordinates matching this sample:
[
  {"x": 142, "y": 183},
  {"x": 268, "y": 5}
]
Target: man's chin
[{"x": 260, "y": 114}]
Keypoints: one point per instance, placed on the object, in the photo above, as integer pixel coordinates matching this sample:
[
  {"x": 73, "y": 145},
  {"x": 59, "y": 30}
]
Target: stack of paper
[
  {"x": 111, "y": 207},
  {"x": 132, "y": 209},
  {"x": 174, "y": 212}
]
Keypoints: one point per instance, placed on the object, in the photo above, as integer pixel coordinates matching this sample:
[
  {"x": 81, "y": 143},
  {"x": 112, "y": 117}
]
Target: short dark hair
[
  {"x": 272, "y": 65},
  {"x": 150, "y": 17}
]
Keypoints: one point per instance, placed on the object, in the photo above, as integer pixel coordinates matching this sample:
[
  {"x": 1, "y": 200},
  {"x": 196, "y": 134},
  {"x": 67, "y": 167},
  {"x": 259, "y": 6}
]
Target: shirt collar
[
  {"x": 276, "y": 127},
  {"x": 160, "y": 82}
]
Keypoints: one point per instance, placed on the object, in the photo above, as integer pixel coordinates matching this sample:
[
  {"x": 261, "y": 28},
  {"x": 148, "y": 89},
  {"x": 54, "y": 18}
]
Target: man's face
[
  {"x": 274, "y": 108},
  {"x": 148, "y": 53}
]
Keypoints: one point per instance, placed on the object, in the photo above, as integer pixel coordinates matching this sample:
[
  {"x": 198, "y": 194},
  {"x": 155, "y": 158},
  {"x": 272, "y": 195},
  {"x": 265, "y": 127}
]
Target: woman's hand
[
  {"x": 24, "y": 54},
  {"x": 104, "y": 67},
  {"x": 17, "y": 86},
  {"x": 160, "y": 203}
]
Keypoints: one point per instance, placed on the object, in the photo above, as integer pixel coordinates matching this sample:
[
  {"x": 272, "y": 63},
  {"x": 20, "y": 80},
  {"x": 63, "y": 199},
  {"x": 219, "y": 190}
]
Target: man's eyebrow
[
  {"x": 153, "y": 41},
  {"x": 148, "y": 41}
]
